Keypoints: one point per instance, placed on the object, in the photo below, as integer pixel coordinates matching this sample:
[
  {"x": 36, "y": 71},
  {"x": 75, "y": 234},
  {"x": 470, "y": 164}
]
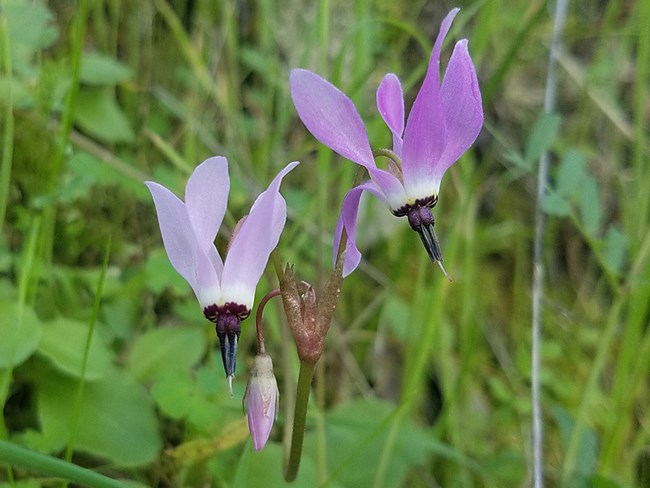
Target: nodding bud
[{"x": 261, "y": 400}]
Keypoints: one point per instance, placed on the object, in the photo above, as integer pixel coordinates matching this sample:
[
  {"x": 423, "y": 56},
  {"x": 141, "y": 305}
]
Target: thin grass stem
[
  {"x": 538, "y": 258},
  {"x": 74, "y": 424}
]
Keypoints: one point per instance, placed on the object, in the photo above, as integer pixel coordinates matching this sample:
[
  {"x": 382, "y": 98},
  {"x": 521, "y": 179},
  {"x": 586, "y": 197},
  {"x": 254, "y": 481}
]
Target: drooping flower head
[
  {"x": 444, "y": 122},
  {"x": 261, "y": 400},
  {"x": 225, "y": 288}
]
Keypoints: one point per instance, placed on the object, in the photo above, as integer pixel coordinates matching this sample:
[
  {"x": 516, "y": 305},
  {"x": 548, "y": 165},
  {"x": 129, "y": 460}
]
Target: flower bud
[{"x": 261, "y": 400}]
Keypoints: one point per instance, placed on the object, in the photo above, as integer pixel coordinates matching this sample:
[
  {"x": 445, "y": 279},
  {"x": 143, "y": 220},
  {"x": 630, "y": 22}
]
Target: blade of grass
[
  {"x": 19, "y": 456},
  {"x": 77, "y": 34},
  {"x": 74, "y": 424}
]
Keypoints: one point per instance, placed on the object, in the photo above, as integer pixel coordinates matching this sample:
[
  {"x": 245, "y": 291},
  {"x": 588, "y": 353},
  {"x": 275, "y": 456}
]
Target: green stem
[
  {"x": 84, "y": 363},
  {"x": 8, "y": 128},
  {"x": 300, "y": 416},
  {"x": 590, "y": 392},
  {"x": 77, "y": 34},
  {"x": 387, "y": 153},
  {"x": 19, "y": 456}
]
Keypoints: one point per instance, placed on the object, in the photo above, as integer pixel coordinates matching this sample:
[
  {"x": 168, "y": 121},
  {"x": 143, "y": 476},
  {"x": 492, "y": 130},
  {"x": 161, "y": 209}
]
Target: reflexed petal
[
  {"x": 425, "y": 133},
  {"x": 348, "y": 218},
  {"x": 391, "y": 188},
  {"x": 180, "y": 242},
  {"x": 330, "y": 116},
  {"x": 390, "y": 103},
  {"x": 206, "y": 198},
  {"x": 250, "y": 248},
  {"x": 463, "y": 107}
]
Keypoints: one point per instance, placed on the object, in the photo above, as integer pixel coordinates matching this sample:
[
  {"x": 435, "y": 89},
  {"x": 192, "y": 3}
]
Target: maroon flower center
[{"x": 227, "y": 319}]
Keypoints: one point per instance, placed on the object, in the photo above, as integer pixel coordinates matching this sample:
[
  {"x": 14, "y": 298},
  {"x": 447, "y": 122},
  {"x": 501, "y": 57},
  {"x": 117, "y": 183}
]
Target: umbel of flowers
[{"x": 443, "y": 123}]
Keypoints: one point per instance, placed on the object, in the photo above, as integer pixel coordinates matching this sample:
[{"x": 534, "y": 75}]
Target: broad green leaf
[
  {"x": 542, "y": 136},
  {"x": 97, "y": 69},
  {"x": 161, "y": 274},
  {"x": 98, "y": 114},
  {"x": 89, "y": 170},
  {"x": 31, "y": 27},
  {"x": 590, "y": 211},
  {"x": 570, "y": 174},
  {"x": 263, "y": 468},
  {"x": 615, "y": 249},
  {"x": 20, "y": 332},
  {"x": 117, "y": 419},
  {"x": 360, "y": 430},
  {"x": 173, "y": 392},
  {"x": 587, "y": 453},
  {"x": 63, "y": 343},
  {"x": 554, "y": 204},
  {"x": 160, "y": 351}
]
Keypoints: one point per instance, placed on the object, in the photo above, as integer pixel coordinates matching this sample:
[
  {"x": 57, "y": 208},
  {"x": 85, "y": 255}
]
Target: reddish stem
[{"x": 258, "y": 319}]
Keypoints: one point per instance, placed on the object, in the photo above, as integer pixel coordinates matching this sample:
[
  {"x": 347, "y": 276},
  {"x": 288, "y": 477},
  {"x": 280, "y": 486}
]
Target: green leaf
[
  {"x": 590, "y": 211},
  {"x": 63, "y": 343},
  {"x": 31, "y": 28},
  {"x": 172, "y": 393},
  {"x": 588, "y": 450},
  {"x": 571, "y": 174},
  {"x": 117, "y": 420},
  {"x": 615, "y": 249},
  {"x": 97, "y": 69},
  {"x": 98, "y": 114},
  {"x": 359, "y": 430},
  {"x": 160, "y": 351},
  {"x": 263, "y": 469},
  {"x": 542, "y": 136},
  {"x": 554, "y": 204},
  {"x": 20, "y": 330},
  {"x": 161, "y": 274}
]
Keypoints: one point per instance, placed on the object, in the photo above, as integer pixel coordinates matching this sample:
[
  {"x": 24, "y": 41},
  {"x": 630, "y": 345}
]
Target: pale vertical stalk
[
  {"x": 538, "y": 266},
  {"x": 8, "y": 123}
]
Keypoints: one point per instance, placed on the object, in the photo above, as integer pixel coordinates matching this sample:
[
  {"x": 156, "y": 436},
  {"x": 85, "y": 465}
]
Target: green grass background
[{"x": 105, "y": 358}]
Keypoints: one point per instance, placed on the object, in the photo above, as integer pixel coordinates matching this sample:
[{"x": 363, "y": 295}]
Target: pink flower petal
[
  {"x": 390, "y": 103},
  {"x": 330, "y": 116},
  {"x": 180, "y": 242},
  {"x": 348, "y": 219},
  {"x": 206, "y": 198},
  {"x": 250, "y": 248},
  {"x": 463, "y": 108},
  {"x": 425, "y": 134}
]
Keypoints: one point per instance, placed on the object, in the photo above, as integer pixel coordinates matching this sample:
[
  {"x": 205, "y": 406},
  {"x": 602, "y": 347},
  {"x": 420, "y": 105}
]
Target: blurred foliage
[{"x": 424, "y": 383}]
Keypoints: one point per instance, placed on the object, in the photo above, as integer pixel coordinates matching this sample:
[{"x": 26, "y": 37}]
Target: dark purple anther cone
[
  {"x": 421, "y": 221},
  {"x": 228, "y": 326}
]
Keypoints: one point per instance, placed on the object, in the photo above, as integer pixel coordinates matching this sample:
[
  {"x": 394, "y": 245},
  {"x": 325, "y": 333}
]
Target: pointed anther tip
[{"x": 444, "y": 271}]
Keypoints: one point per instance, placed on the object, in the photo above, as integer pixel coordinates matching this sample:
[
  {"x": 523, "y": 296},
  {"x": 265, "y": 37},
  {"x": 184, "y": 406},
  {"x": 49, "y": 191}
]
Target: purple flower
[
  {"x": 261, "y": 400},
  {"x": 225, "y": 288},
  {"x": 443, "y": 123}
]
